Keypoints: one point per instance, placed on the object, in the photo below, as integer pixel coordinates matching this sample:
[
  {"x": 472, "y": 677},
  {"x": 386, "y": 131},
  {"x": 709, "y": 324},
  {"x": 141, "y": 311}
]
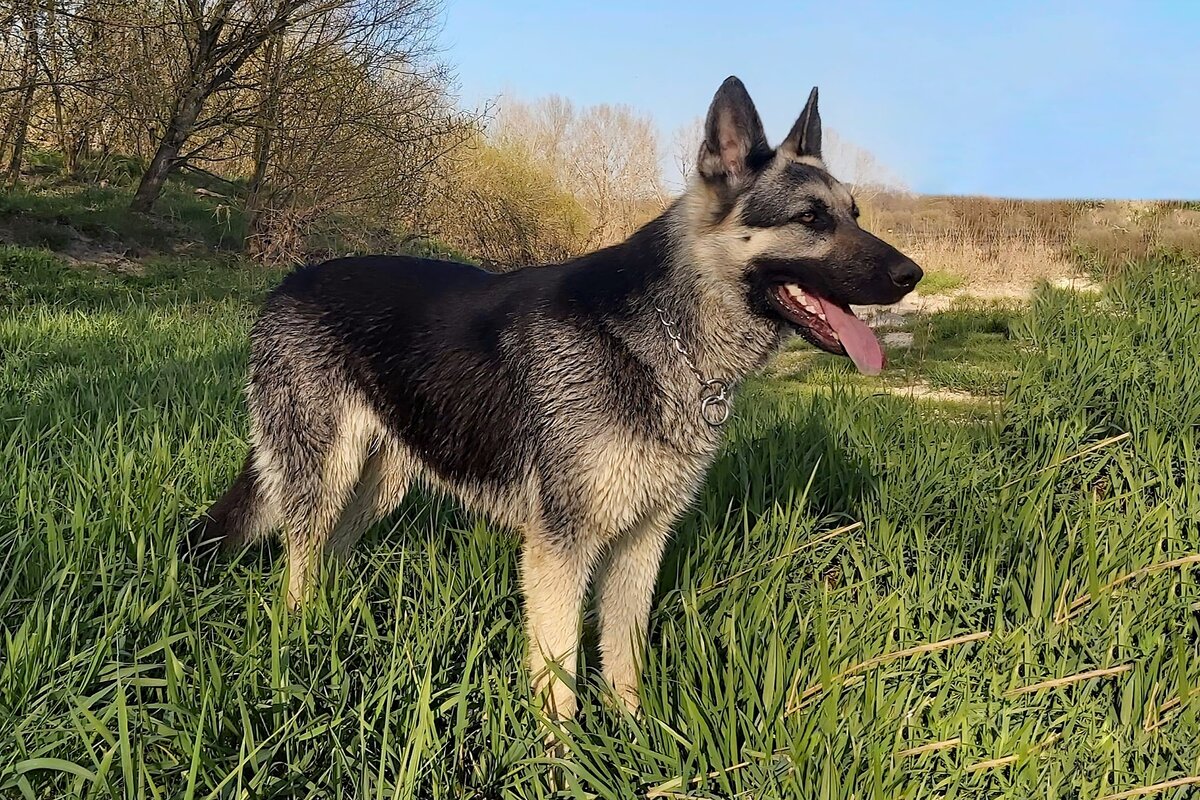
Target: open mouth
[{"x": 829, "y": 326}]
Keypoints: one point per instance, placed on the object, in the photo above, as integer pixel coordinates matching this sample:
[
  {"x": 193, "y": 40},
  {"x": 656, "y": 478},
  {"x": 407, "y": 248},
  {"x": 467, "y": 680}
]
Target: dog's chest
[{"x": 626, "y": 477}]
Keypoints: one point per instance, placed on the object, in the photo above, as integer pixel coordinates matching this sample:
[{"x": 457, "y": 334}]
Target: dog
[{"x": 580, "y": 403}]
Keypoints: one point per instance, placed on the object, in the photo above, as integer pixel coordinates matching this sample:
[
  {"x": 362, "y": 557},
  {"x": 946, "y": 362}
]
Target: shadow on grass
[
  {"x": 101, "y": 213},
  {"x": 35, "y": 277},
  {"x": 774, "y": 465}
]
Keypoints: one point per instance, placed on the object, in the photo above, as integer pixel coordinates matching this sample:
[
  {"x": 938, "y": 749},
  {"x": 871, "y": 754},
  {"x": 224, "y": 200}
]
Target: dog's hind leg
[
  {"x": 383, "y": 484},
  {"x": 311, "y": 469},
  {"x": 625, "y": 587},
  {"x": 240, "y": 516}
]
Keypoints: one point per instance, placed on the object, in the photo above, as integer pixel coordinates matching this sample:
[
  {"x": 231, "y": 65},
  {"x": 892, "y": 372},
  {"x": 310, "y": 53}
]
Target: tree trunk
[
  {"x": 258, "y": 196},
  {"x": 81, "y": 149},
  {"x": 54, "y": 78},
  {"x": 166, "y": 158},
  {"x": 20, "y": 121},
  {"x": 214, "y": 64},
  {"x": 10, "y": 130}
]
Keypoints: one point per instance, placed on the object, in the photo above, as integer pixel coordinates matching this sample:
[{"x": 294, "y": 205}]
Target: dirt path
[{"x": 895, "y": 316}]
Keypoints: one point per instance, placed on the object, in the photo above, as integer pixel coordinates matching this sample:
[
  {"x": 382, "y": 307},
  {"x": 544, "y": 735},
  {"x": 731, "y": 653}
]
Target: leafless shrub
[
  {"x": 606, "y": 156},
  {"x": 506, "y": 209},
  {"x": 352, "y": 130}
]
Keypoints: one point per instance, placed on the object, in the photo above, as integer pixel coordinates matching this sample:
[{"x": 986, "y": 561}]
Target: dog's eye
[
  {"x": 807, "y": 218},
  {"x": 854, "y": 212}
]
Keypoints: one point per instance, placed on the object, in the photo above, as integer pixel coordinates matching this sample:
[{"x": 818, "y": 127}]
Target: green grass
[
  {"x": 940, "y": 283},
  {"x": 781, "y": 660},
  {"x": 971, "y": 349},
  {"x": 65, "y": 214}
]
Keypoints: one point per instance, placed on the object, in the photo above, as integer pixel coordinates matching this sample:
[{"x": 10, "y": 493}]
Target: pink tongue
[{"x": 858, "y": 339}]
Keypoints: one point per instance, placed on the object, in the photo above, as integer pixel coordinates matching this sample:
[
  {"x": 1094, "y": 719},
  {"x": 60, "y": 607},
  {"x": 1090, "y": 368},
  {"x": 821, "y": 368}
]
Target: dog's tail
[{"x": 232, "y": 521}]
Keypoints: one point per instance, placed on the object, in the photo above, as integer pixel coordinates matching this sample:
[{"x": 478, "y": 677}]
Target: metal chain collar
[{"x": 715, "y": 407}]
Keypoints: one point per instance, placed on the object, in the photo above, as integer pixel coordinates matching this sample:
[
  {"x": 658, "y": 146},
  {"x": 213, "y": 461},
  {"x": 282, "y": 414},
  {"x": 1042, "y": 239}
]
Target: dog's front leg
[
  {"x": 555, "y": 577},
  {"x": 625, "y": 588}
]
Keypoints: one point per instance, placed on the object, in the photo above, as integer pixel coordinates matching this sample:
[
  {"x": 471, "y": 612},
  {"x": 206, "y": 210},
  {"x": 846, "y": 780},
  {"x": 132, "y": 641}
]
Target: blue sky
[{"x": 1018, "y": 99}]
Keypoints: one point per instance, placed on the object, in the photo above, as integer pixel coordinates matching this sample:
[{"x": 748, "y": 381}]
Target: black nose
[{"x": 905, "y": 273}]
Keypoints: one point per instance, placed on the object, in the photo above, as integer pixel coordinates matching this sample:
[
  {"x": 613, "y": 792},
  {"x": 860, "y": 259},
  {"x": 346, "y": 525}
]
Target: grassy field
[{"x": 875, "y": 597}]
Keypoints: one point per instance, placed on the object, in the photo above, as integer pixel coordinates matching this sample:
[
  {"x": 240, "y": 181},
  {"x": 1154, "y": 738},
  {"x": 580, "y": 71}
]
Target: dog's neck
[
  {"x": 706, "y": 301},
  {"x": 710, "y": 300}
]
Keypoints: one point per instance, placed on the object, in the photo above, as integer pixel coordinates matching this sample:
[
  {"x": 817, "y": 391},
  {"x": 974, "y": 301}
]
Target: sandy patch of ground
[
  {"x": 1077, "y": 283},
  {"x": 897, "y": 339},
  {"x": 895, "y": 315},
  {"x": 85, "y": 251},
  {"x": 888, "y": 319},
  {"x": 919, "y": 390}
]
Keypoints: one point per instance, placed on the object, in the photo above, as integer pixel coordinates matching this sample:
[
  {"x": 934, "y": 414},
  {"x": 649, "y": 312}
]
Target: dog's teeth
[
  {"x": 821, "y": 316},
  {"x": 806, "y": 301}
]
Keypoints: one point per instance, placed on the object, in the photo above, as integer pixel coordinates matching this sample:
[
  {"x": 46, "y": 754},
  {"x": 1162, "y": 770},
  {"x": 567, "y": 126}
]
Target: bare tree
[
  {"x": 858, "y": 167},
  {"x": 846, "y": 161},
  {"x": 685, "y": 145},
  {"x": 17, "y": 128},
  {"x": 350, "y": 116},
  {"x": 269, "y": 110},
  {"x": 219, "y": 38},
  {"x": 359, "y": 155},
  {"x": 616, "y": 166},
  {"x": 336, "y": 114},
  {"x": 606, "y": 156}
]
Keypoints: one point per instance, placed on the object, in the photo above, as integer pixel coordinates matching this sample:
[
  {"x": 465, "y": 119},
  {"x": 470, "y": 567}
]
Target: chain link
[{"x": 715, "y": 407}]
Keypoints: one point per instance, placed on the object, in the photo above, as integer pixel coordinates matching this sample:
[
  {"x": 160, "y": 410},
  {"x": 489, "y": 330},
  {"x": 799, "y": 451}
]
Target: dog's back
[{"x": 417, "y": 340}]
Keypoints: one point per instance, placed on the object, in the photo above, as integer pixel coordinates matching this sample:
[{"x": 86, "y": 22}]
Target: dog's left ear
[{"x": 804, "y": 140}]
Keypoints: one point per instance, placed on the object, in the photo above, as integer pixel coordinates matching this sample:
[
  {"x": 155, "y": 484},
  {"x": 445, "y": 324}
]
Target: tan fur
[
  {"x": 555, "y": 584},
  {"x": 311, "y": 519},
  {"x": 385, "y": 479},
  {"x": 624, "y": 589},
  {"x": 811, "y": 162},
  {"x": 626, "y": 476}
]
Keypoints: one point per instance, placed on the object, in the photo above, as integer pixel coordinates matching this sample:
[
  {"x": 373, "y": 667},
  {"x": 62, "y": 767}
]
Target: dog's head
[{"x": 776, "y": 227}]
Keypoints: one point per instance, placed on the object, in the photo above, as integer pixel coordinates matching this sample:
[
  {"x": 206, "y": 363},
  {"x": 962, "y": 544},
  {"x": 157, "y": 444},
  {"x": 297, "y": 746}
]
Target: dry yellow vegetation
[{"x": 984, "y": 240}]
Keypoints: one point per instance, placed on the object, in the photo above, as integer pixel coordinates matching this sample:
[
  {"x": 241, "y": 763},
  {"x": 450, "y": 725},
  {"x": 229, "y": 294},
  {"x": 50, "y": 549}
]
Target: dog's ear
[
  {"x": 805, "y": 137},
  {"x": 734, "y": 141}
]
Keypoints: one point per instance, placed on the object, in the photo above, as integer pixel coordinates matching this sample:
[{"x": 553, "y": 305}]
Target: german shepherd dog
[{"x": 580, "y": 403}]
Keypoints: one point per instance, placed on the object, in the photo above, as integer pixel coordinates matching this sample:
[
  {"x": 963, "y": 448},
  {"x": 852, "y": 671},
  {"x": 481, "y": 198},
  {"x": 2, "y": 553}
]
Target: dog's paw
[
  {"x": 624, "y": 698},
  {"x": 557, "y": 754}
]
